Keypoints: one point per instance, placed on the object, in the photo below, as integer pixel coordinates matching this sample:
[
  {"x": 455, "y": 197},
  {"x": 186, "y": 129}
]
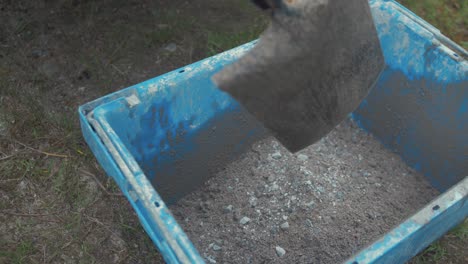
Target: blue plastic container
[{"x": 165, "y": 135}]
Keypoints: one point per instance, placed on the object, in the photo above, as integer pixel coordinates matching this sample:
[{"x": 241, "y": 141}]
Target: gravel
[
  {"x": 215, "y": 247},
  {"x": 280, "y": 251},
  {"x": 284, "y": 226},
  {"x": 228, "y": 209},
  {"x": 277, "y": 155},
  {"x": 302, "y": 157},
  {"x": 321, "y": 205},
  {"x": 210, "y": 260},
  {"x": 244, "y": 220}
]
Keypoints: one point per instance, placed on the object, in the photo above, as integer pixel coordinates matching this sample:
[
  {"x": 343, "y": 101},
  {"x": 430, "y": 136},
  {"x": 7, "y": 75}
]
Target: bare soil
[
  {"x": 336, "y": 196},
  {"x": 56, "y": 203}
]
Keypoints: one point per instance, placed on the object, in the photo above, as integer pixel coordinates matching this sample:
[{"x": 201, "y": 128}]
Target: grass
[
  {"x": 434, "y": 253},
  {"x": 219, "y": 41},
  {"x": 461, "y": 231},
  {"x": 169, "y": 27},
  {"x": 50, "y": 200},
  {"x": 449, "y": 16},
  {"x": 449, "y": 249},
  {"x": 20, "y": 254}
]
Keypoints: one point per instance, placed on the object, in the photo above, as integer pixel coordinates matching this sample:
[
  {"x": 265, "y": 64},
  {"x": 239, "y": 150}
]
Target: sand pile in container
[{"x": 320, "y": 205}]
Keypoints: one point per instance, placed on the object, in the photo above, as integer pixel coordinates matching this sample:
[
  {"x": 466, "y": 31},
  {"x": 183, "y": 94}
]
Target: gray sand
[{"x": 320, "y": 205}]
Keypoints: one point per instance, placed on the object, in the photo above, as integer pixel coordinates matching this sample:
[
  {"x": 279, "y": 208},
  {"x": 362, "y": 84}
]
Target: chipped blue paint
[
  {"x": 414, "y": 47},
  {"x": 418, "y": 108},
  {"x": 173, "y": 108},
  {"x": 121, "y": 145}
]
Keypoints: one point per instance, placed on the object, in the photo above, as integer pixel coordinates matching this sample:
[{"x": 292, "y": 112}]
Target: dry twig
[
  {"x": 39, "y": 151},
  {"x": 100, "y": 184}
]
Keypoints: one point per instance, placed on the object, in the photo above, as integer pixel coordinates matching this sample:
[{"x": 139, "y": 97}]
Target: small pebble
[
  {"x": 339, "y": 195},
  {"x": 227, "y": 209},
  {"x": 310, "y": 204},
  {"x": 216, "y": 247},
  {"x": 171, "y": 47},
  {"x": 274, "y": 230},
  {"x": 302, "y": 157},
  {"x": 280, "y": 251},
  {"x": 277, "y": 155},
  {"x": 284, "y": 226},
  {"x": 22, "y": 186},
  {"x": 274, "y": 187},
  {"x": 244, "y": 220},
  {"x": 211, "y": 260},
  {"x": 253, "y": 201},
  {"x": 305, "y": 171}
]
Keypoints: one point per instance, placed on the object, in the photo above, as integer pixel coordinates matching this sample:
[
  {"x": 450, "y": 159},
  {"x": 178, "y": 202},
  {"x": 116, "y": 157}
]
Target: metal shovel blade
[{"x": 313, "y": 65}]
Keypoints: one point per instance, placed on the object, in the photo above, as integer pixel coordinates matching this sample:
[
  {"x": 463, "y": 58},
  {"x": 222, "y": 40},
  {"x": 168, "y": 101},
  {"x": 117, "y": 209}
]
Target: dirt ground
[{"x": 56, "y": 204}]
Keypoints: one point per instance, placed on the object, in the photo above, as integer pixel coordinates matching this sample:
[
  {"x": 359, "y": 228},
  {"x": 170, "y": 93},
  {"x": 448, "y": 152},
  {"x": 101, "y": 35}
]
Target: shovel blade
[{"x": 309, "y": 70}]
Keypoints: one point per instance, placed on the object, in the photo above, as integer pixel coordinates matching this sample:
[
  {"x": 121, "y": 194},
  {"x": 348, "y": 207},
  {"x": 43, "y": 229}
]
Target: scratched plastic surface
[{"x": 162, "y": 138}]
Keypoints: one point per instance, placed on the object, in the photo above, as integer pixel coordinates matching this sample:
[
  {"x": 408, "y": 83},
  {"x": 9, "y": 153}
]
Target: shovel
[{"x": 312, "y": 67}]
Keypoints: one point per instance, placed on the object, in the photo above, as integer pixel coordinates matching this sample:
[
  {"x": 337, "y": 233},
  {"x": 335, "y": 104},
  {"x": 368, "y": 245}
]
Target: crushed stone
[{"x": 348, "y": 192}]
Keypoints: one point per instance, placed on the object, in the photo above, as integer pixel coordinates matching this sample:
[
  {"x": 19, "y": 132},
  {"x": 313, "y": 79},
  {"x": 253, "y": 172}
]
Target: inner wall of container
[
  {"x": 181, "y": 135},
  {"x": 184, "y": 133},
  {"x": 423, "y": 120}
]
